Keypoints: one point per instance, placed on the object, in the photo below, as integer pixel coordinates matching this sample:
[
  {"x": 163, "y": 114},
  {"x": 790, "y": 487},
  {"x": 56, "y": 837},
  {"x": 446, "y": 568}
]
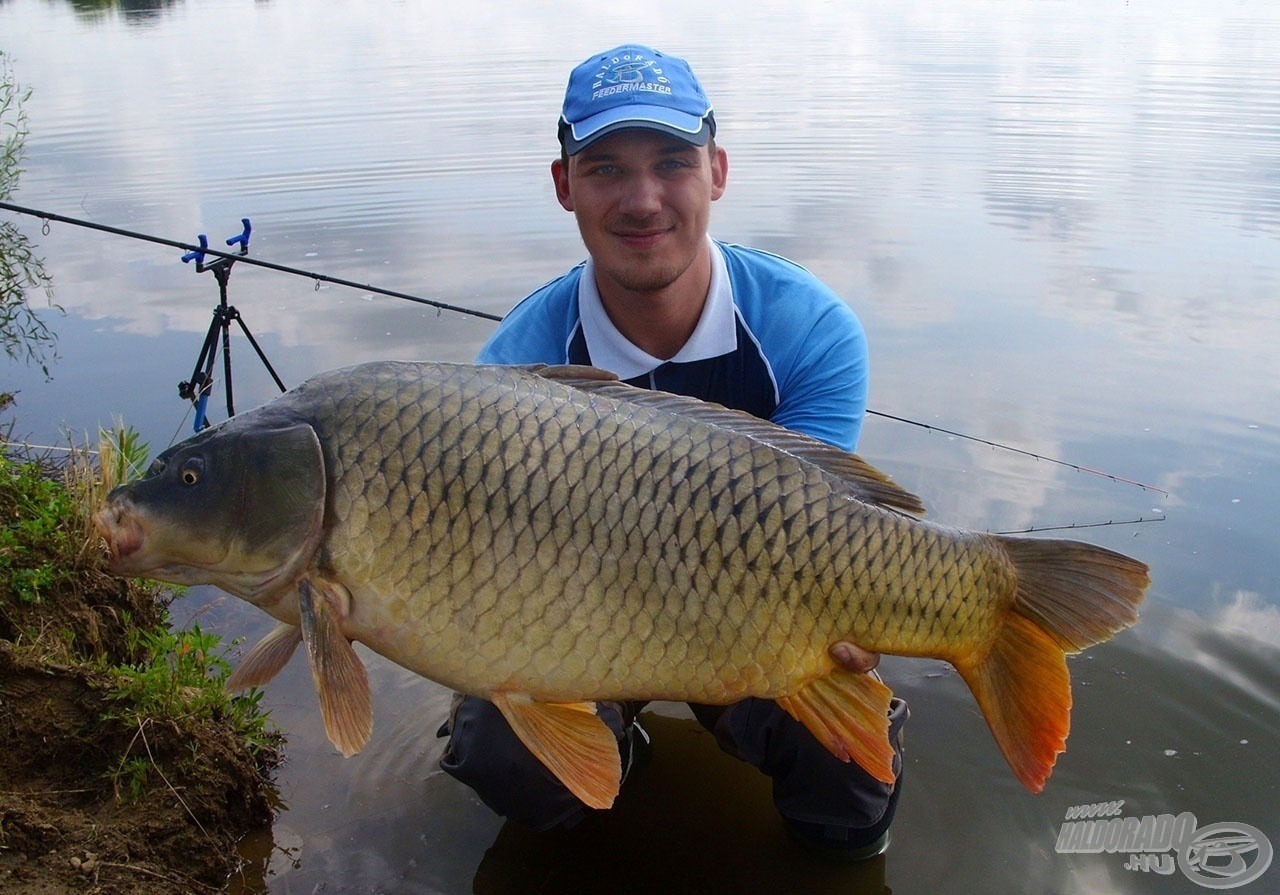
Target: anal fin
[
  {"x": 571, "y": 741},
  {"x": 848, "y": 712}
]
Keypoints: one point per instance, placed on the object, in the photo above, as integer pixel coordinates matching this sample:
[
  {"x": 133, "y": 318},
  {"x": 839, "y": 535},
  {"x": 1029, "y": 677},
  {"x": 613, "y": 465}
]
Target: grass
[
  {"x": 46, "y": 511},
  {"x": 182, "y": 675},
  {"x": 121, "y": 456},
  {"x": 35, "y": 542},
  {"x": 50, "y": 556}
]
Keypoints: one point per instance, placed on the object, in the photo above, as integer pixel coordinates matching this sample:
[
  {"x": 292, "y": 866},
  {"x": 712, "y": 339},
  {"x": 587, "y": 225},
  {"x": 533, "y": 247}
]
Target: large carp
[{"x": 548, "y": 537}]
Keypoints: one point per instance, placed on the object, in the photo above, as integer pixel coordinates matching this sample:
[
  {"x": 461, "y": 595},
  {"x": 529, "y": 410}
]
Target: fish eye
[{"x": 191, "y": 471}]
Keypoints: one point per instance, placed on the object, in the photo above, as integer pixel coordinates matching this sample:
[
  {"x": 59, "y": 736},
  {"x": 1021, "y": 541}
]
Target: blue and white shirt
[{"x": 773, "y": 340}]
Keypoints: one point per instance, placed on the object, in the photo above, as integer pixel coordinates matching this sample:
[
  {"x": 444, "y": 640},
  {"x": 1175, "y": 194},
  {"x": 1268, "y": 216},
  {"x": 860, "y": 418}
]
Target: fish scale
[{"x": 547, "y": 537}]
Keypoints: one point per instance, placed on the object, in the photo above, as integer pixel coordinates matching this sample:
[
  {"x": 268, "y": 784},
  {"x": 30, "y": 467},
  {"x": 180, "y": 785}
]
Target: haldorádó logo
[
  {"x": 627, "y": 74},
  {"x": 1218, "y": 856}
]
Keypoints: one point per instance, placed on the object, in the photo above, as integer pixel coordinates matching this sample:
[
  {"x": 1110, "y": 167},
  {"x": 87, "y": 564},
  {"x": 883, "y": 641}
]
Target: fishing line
[
  {"x": 1005, "y": 447},
  {"x": 27, "y": 446},
  {"x": 203, "y": 249}
]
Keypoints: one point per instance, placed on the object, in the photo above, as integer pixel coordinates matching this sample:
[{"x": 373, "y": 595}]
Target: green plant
[
  {"x": 179, "y": 679},
  {"x": 35, "y": 542},
  {"x": 23, "y": 334},
  {"x": 182, "y": 673},
  {"x": 121, "y": 456},
  {"x": 132, "y": 779},
  {"x": 140, "y": 709}
]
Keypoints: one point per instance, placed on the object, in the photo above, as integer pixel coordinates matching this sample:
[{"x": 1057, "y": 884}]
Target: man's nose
[{"x": 642, "y": 195}]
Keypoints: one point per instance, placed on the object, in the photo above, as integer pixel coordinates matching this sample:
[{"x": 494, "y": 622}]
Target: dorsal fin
[
  {"x": 572, "y": 374},
  {"x": 859, "y": 478}
]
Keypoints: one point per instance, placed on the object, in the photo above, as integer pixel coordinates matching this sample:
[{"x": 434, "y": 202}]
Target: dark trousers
[{"x": 811, "y": 787}]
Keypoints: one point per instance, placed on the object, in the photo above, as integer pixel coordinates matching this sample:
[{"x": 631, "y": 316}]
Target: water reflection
[{"x": 133, "y": 12}]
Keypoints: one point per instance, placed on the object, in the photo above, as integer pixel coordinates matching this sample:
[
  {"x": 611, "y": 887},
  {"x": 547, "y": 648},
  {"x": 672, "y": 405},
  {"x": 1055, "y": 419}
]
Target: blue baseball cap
[{"x": 634, "y": 86}]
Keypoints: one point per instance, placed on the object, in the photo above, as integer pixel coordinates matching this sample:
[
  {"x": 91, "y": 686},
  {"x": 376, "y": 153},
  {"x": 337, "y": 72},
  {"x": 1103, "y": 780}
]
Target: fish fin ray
[
  {"x": 572, "y": 373},
  {"x": 571, "y": 740},
  {"x": 848, "y": 712},
  {"x": 1024, "y": 690},
  {"x": 848, "y": 472},
  {"x": 337, "y": 672},
  {"x": 1070, "y": 595},
  {"x": 1081, "y": 594},
  {"x": 265, "y": 660}
]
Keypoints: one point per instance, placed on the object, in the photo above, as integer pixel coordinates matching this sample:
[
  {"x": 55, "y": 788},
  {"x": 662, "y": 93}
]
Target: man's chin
[{"x": 644, "y": 276}]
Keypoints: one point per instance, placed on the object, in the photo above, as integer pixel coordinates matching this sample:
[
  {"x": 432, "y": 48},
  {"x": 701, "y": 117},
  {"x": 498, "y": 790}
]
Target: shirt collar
[{"x": 715, "y": 334}]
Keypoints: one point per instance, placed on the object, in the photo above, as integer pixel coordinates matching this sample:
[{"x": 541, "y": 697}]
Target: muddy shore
[{"x": 100, "y": 793}]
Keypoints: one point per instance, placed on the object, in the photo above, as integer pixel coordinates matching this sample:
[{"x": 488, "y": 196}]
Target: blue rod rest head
[
  {"x": 243, "y": 238},
  {"x": 197, "y": 256}
]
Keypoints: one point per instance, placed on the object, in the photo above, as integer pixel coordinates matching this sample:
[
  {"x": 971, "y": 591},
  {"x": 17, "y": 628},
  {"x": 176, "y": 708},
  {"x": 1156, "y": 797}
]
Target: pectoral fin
[
  {"x": 345, "y": 702},
  {"x": 571, "y": 741},
  {"x": 848, "y": 712},
  {"x": 265, "y": 660}
]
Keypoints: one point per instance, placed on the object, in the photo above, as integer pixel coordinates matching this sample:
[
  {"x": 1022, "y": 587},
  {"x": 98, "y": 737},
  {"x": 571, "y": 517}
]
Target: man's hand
[{"x": 852, "y": 657}]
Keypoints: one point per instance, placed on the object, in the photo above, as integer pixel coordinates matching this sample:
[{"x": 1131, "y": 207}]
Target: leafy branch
[{"x": 24, "y": 335}]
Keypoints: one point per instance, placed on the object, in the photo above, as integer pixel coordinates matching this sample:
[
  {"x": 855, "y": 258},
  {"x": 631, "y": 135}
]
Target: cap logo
[{"x": 629, "y": 73}]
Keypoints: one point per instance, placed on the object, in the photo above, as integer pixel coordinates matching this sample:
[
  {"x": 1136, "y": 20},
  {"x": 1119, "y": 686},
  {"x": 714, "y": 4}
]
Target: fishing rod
[
  {"x": 199, "y": 252},
  {"x": 1070, "y": 526},
  {"x": 48, "y": 216}
]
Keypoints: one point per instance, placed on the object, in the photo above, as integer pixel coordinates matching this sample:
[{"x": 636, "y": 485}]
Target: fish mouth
[
  {"x": 134, "y": 552},
  {"x": 124, "y": 534}
]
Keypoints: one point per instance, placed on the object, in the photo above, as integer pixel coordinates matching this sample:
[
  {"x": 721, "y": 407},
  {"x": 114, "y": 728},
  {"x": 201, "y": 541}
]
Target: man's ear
[
  {"x": 560, "y": 177},
  {"x": 719, "y": 172}
]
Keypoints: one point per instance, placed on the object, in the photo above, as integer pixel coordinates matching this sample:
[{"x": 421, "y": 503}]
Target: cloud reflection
[{"x": 1248, "y": 614}]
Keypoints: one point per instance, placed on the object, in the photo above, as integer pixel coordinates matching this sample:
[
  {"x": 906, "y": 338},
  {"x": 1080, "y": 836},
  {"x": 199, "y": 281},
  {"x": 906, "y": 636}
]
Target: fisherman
[{"x": 663, "y": 305}]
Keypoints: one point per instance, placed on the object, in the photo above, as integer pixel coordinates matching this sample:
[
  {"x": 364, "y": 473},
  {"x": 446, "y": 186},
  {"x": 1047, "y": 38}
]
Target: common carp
[{"x": 547, "y": 537}]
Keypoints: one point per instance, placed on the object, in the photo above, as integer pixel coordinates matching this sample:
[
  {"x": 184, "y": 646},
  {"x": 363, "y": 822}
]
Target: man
[{"x": 664, "y": 306}]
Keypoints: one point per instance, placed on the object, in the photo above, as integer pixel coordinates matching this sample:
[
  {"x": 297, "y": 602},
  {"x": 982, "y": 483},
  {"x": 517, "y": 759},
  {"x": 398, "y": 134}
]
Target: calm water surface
[{"x": 1060, "y": 223}]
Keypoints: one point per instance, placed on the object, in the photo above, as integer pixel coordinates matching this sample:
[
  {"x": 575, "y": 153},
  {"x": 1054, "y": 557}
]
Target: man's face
[{"x": 642, "y": 200}]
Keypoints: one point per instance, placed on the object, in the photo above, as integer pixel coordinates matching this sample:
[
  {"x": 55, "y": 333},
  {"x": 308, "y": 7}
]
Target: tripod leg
[
  {"x": 261, "y": 356},
  {"x": 226, "y": 361}
]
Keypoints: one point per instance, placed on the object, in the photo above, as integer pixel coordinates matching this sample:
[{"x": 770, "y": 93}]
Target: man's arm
[{"x": 823, "y": 393}]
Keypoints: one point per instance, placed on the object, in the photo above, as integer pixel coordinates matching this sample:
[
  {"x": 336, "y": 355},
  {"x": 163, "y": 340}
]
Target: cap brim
[{"x": 690, "y": 128}]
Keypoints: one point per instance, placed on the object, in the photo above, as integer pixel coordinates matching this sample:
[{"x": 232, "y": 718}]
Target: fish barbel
[{"x": 547, "y": 537}]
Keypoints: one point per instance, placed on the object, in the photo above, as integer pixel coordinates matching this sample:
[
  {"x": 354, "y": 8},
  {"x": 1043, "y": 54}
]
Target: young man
[{"x": 664, "y": 306}]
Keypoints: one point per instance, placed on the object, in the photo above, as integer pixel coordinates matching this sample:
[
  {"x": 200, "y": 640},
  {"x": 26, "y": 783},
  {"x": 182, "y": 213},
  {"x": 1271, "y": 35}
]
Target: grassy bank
[{"x": 123, "y": 766}]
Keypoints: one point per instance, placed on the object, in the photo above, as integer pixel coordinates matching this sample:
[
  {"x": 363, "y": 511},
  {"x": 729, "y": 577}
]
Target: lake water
[{"x": 1059, "y": 222}]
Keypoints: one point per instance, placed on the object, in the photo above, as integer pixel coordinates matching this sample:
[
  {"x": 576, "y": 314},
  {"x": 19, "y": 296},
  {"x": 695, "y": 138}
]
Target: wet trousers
[{"x": 811, "y": 787}]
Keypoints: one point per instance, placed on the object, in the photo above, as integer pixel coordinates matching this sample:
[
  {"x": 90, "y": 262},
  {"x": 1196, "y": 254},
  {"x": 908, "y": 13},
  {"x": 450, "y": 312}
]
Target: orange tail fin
[{"x": 1070, "y": 595}]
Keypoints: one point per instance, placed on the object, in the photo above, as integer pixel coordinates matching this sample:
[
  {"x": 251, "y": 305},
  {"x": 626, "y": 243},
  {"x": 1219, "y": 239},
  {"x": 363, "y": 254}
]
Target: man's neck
[{"x": 660, "y": 322}]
